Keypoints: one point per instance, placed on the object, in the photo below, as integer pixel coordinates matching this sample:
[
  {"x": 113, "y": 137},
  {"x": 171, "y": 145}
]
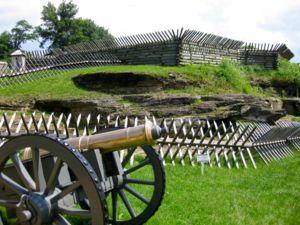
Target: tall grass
[
  {"x": 289, "y": 71},
  {"x": 234, "y": 75}
]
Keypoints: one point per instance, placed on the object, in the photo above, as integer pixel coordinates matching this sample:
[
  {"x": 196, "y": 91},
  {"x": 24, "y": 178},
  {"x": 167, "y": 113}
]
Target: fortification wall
[
  {"x": 176, "y": 53},
  {"x": 192, "y": 53},
  {"x": 163, "y": 53},
  {"x": 268, "y": 60},
  {"x": 182, "y": 47}
]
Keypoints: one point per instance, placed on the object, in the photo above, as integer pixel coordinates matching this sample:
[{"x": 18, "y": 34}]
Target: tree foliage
[
  {"x": 61, "y": 27},
  {"x": 5, "y": 44},
  {"x": 21, "y": 33},
  {"x": 88, "y": 30},
  {"x": 10, "y": 41}
]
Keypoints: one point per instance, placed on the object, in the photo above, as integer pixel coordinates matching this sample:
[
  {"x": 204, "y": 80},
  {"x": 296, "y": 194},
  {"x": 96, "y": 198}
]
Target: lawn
[{"x": 267, "y": 195}]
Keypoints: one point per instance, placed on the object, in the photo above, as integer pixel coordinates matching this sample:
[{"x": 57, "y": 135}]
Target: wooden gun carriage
[{"x": 46, "y": 179}]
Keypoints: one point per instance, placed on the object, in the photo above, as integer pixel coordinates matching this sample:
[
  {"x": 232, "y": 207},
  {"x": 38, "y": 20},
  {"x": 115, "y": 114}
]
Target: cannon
[{"x": 46, "y": 179}]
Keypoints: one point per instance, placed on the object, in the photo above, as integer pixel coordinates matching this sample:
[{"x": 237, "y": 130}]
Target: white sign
[{"x": 203, "y": 158}]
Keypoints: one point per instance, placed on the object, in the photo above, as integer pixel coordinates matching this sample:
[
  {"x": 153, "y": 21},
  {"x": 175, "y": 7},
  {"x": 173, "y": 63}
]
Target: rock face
[
  {"x": 292, "y": 106},
  {"x": 15, "y": 104},
  {"x": 212, "y": 107},
  {"x": 171, "y": 106},
  {"x": 244, "y": 107},
  {"x": 277, "y": 87},
  {"x": 104, "y": 106}
]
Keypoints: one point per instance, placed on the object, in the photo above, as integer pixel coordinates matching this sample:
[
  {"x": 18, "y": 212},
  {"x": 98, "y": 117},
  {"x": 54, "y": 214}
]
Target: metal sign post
[{"x": 202, "y": 159}]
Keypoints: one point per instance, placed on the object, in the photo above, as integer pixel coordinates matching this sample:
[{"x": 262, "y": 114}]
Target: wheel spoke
[
  {"x": 60, "y": 220},
  {"x": 127, "y": 203},
  {"x": 135, "y": 181},
  {"x": 38, "y": 170},
  {"x": 53, "y": 177},
  {"x": 75, "y": 212},
  {"x": 8, "y": 203},
  {"x": 22, "y": 172},
  {"x": 128, "y": 156},
  {"x": 12, "y": 185},
  {"x": 114, "y": 197},
  {"x": 67, "y": 190},
  {"x": 139, "y": 166},
  {"x": 136, "y": 194}
]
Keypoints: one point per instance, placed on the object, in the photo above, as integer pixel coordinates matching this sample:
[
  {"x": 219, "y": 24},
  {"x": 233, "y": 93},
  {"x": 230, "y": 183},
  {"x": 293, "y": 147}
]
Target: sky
[{"x": 263, "y": 21}]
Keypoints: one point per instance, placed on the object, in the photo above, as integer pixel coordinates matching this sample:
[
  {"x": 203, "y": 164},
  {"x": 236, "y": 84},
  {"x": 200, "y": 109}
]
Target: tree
[
  {"x": 10, "y": 41},
  {"x": 58, "y": 24},
  {"x": 5, "y": 44},
  {"x": 61, "y": 28},
  {"x": 21, "y": 33},
  {"x": 88, "y": 30}
]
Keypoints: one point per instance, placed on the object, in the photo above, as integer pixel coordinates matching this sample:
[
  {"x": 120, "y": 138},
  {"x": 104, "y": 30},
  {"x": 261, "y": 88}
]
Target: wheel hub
[{"x": 34, "y": 209}]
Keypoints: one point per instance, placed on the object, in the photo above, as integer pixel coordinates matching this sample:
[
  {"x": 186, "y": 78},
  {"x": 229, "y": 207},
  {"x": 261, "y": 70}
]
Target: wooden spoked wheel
[
  {"x": 43, "y": 189},
  {"x": 142, "y": 189}
]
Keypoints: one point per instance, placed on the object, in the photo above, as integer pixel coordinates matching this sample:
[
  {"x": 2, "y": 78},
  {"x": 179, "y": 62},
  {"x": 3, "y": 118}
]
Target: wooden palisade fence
[
  {"x": 235, "y": 144},
  {"x": 172, "y": 47}
]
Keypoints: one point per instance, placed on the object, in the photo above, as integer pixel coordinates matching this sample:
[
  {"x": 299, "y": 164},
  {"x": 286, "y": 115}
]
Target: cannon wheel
[
  {"x": 142, "y": 191},
  {"x": 138, "y": 186},
  {"x": 38, "y": 197}
]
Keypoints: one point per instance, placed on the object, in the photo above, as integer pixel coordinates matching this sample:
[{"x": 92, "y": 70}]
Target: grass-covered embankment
[{"x": 223, "y": 79}]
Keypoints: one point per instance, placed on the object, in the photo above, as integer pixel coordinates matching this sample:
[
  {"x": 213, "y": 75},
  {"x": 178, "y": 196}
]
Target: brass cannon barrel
[
  {"x": 114, "y": 140},
  {"x": 119, "y": 139}
]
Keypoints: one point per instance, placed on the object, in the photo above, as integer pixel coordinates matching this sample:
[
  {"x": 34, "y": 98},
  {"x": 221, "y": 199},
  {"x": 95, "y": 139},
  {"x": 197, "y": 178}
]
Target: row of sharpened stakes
[
  {"x": 225, "y": 143},
  {"x": 42, "y": 64}
]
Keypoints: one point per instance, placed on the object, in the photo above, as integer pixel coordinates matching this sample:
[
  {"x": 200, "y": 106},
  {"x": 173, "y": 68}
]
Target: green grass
[
  {"x": 58, "y": 86},
  {"x": 62, "y": 87},
  {"x": 287, "y": 71},
  {"x": 225, "y": 78},
  {"x": 267, "y": 195},
  {"x": 235, "y": 77}
]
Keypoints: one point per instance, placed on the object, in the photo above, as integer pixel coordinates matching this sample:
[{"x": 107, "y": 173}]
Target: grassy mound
[{"x": 225, "y": 78}]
